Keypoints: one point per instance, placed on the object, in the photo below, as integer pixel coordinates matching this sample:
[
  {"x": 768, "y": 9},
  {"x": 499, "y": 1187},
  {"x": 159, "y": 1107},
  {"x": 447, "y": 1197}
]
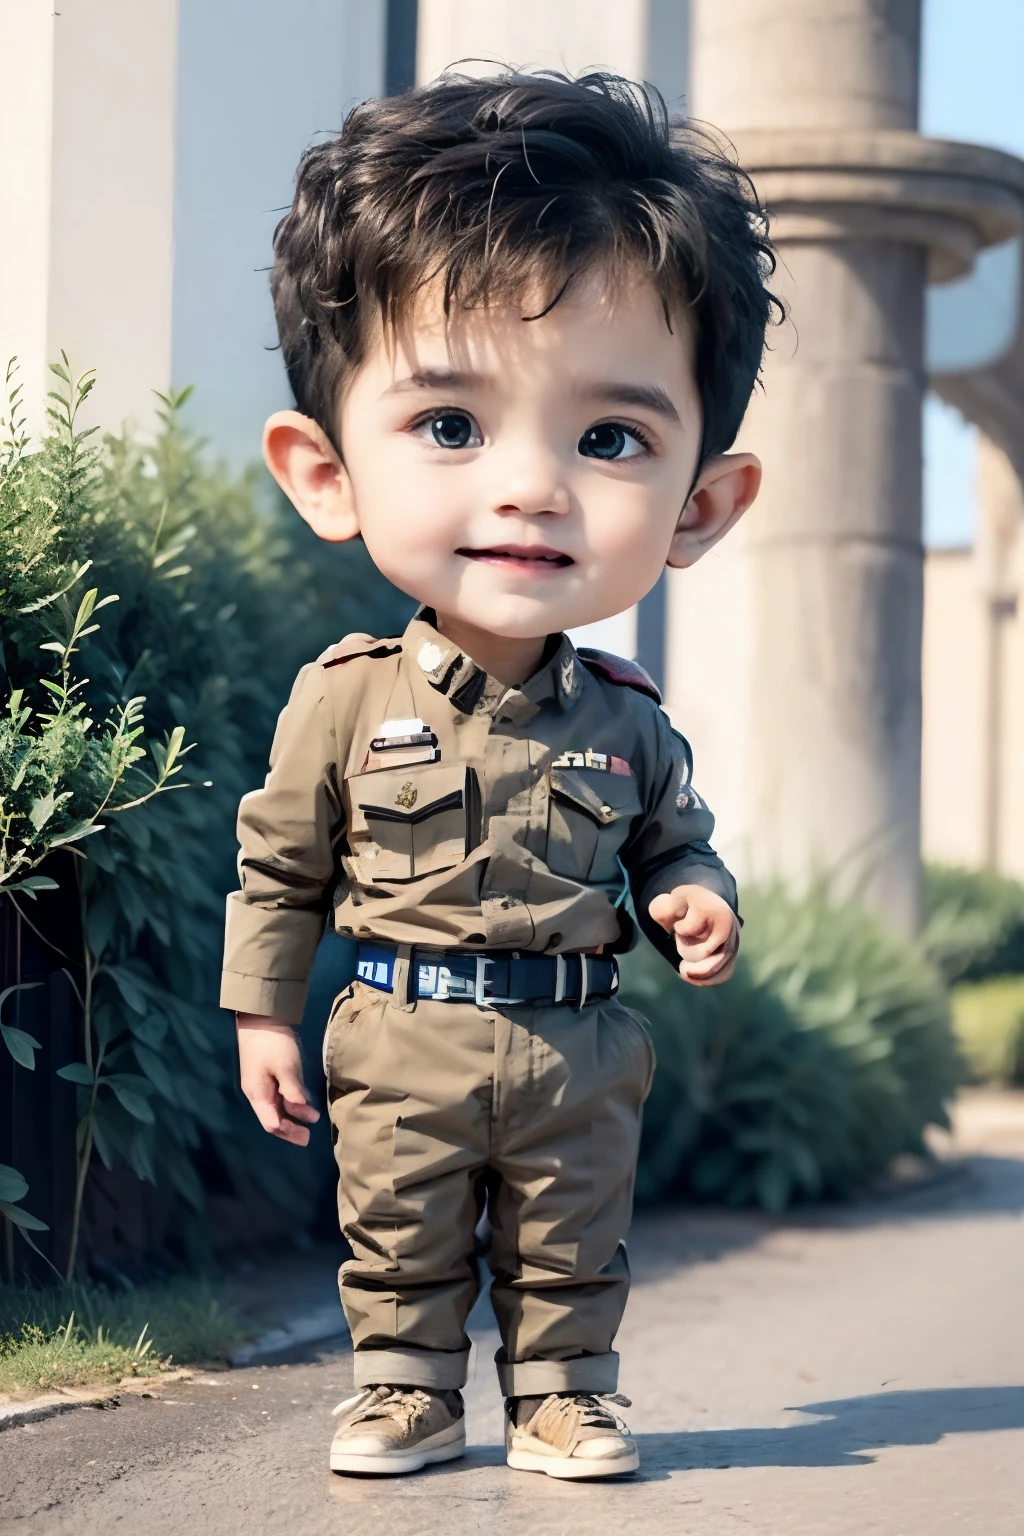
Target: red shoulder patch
[
  {"x": 616, "y": 669},
  {"x": 357, "y": 645}
]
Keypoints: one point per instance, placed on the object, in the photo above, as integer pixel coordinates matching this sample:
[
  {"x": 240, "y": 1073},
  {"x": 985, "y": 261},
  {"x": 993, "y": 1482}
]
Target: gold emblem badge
[
  {"x": 406, "y": 797},
  {"x": 568, "y": 674}
]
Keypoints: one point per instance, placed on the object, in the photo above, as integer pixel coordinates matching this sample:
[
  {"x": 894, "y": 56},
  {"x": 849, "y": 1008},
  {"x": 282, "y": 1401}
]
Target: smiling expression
[{"x": 522, "y": 478}]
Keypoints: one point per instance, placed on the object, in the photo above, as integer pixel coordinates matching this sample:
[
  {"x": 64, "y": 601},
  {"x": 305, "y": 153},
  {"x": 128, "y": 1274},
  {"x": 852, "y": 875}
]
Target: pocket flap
[
  {"x": 410, "y": 795},
  {"x": 605, "y": 797}
]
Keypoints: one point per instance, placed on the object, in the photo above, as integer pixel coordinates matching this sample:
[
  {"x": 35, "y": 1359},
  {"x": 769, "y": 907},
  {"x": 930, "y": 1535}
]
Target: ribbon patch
[{"x": 602, "y": 761}]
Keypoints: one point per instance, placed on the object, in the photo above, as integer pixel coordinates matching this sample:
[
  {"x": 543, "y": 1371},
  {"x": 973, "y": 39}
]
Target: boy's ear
[
  {"x": 302, "y": 460},
  {"x": 724, "y": 490}
]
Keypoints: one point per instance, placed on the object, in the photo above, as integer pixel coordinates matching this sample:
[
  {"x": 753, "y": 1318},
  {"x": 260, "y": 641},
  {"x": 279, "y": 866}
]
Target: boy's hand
[
  {"x": 706, "y": 931},
  {"x": 271, "y": 1071}
]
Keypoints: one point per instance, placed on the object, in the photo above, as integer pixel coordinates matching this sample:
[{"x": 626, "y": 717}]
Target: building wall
[
  {"x": 642, "y": 39},
  {"x": 151, "y": 148},
  {"x": 86, "y": 185},
  {"x": 956, "y": 735}
]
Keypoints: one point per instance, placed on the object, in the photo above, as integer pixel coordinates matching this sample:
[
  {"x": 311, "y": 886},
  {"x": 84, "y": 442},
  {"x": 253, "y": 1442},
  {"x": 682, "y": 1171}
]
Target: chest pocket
[
  {"x": 589, "y": 816},
  {"x": 405, "y": 823}
]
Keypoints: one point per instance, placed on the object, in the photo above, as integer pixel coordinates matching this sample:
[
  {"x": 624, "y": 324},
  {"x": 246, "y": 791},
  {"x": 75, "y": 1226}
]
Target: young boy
[{"x": 522, "y": 319}]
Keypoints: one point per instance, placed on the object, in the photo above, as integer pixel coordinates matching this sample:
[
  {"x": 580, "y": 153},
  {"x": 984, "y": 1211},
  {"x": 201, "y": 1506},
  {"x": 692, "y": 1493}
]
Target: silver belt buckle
[
  {"x": 480, "y": 994},
  {"x": 480, "y": 991}
]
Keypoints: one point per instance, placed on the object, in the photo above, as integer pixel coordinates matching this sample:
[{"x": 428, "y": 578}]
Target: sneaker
[
  {"x": 398, "y": 1429},
  {"x": 570, "y": 1434}
]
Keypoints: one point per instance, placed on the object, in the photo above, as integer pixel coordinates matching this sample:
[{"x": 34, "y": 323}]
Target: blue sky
[{"x": 971, "y": 88}]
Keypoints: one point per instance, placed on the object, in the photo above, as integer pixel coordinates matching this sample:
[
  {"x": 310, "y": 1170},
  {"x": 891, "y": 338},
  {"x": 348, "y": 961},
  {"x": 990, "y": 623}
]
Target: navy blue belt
[{"x": 492, "y": 977}]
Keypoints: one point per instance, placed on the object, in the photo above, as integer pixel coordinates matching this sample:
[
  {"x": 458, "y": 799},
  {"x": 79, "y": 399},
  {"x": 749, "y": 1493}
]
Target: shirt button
[{"x": 607, "y": 813}]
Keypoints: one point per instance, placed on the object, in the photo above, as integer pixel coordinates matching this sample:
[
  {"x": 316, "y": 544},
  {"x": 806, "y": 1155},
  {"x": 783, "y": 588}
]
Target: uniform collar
[{"x": 457, "y": 675}]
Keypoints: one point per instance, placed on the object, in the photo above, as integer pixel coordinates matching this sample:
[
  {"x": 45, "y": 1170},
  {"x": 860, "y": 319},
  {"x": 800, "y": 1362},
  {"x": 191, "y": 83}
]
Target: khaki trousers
[{"x": 438, "y": 1107}]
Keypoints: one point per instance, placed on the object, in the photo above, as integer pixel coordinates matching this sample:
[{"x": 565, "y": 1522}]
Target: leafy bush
[
  {"x": 988, "y": 1018},
  {"x": 220, "y": 595},
  {"x": 974, "y": 922},
  {"x": 827, "y": 1054}
]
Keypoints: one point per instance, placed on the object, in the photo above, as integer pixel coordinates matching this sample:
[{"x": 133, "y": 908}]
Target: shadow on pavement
[{"x": 845, "y": 1434}]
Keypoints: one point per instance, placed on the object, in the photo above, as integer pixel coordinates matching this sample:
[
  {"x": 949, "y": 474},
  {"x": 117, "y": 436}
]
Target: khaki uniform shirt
[{"x": 427, "y": 803}]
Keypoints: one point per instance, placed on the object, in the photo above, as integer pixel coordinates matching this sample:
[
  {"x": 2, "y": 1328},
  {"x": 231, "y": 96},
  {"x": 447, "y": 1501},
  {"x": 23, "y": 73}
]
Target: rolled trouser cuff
[
  {"x": 442, "y": 1369},
  {"x": 536, "y": 1378}
]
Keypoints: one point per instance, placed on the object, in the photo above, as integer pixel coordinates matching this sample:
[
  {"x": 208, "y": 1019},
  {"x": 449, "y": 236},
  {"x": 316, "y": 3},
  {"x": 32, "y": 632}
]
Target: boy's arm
[
  {"x": 684, "y": 897},
  {"x": 288, "y": 832}
]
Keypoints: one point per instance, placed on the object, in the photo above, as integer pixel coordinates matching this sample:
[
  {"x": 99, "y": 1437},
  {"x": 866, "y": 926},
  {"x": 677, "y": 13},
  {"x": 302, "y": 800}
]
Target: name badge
[{"x": 401, "y": 744}]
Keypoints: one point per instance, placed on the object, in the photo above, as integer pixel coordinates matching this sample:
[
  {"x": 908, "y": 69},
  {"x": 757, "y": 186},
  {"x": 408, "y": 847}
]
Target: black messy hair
[{"x": 517, "y": 185}]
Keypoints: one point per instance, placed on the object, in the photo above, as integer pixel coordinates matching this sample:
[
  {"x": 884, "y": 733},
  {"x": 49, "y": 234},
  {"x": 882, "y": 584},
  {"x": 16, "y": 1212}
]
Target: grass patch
[
  {"x": 988, "y": 1017},
  {"x": 82, "y": 1335}
]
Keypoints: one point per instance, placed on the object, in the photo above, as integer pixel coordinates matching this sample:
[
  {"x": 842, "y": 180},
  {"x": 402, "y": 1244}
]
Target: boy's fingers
[
  {"x": 667, "y": 910},
  {"x": 695, "y": 928},
  {"x": 717, "y": 933},
  {"x": 262, "y": 1095},
  {"x": 289, "y": 1130},
  {"x": 298, "y": 1109},
  {"x": 705, "y": 973}
]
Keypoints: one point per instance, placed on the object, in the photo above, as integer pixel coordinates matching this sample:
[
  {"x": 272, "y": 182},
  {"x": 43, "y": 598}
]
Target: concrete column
[{"x": 820, "y": 97}]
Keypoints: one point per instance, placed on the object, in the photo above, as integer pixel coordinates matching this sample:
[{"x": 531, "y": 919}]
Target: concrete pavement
[{"x": 857, "y": 1371}]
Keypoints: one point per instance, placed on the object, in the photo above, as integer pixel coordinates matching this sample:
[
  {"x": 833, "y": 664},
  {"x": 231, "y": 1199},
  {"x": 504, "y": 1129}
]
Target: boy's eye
[
  {"x": 454, "y": 429},
  {"x": 611, "y": 440}
]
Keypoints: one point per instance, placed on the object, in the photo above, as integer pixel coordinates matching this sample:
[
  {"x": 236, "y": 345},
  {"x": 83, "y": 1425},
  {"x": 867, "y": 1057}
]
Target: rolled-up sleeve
[
  {"x": 289, "y": 832},
  {"x": 672, "y": 844}
]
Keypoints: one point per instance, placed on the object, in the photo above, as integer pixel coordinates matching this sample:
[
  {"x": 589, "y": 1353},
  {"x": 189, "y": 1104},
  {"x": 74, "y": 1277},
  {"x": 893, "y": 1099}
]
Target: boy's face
[{"x": 526, "y": 477}]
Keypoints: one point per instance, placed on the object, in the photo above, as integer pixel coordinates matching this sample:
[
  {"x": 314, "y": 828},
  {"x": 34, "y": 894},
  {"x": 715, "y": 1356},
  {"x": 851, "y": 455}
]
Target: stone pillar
[{"x": 820, "y": 98}]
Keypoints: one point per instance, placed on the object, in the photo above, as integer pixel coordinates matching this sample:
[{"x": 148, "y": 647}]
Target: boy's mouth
[{"x": 536, "y": 558}]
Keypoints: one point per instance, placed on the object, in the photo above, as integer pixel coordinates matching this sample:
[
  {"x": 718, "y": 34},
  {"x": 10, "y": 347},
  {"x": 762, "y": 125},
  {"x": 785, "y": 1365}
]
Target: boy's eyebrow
[
  {"x": 436, "y": 378},
  {"x": 651, "y": 396}
]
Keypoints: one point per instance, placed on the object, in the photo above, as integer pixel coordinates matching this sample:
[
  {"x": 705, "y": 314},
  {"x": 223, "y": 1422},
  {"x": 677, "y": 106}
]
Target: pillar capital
[{"x": 889, "y": 185}]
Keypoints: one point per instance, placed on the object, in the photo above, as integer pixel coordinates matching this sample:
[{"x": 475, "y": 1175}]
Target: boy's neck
[{"x": 510, "y": 661}]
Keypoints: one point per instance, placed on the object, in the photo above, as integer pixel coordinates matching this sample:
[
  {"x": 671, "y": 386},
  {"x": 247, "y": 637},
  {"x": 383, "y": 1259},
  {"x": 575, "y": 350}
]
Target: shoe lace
[
  {"x": 403, "y": 1404},
  {"x": 592, "y": 1412}
]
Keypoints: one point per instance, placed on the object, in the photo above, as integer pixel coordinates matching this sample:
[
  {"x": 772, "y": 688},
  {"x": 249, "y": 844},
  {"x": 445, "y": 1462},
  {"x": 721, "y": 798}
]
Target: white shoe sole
[
  {"x": 574, "y": 1468},
  {"x": 399, "y": 1462}
]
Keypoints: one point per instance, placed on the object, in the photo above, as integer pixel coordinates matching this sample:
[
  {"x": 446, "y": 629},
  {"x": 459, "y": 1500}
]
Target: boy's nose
[{"x": 531, "y": 488}]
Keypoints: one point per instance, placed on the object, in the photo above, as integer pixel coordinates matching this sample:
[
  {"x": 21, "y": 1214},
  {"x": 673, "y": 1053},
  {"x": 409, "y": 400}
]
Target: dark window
[{"x": 400, "y": 46}]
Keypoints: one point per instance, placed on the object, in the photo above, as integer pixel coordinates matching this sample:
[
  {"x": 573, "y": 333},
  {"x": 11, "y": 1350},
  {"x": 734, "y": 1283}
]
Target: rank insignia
[
  {"x": 568, "y": 670},
  {"x": 433, "y": 660},
  {"x": 687, "y": 798}
]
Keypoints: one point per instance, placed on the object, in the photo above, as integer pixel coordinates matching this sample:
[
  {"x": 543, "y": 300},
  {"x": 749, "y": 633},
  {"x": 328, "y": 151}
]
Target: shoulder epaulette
[
  {"x": 616, "y": 669},
  {"x": 357, "y": 645}
]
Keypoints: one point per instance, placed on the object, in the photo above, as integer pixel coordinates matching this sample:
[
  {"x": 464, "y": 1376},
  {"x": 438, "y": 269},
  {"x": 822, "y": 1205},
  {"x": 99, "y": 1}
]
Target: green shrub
[
  {"x": 974, "y": 922},
  {"x": 827, "y": 1054},
  {"x": 988, "y": 1018},
  {"x": 221, "y": 593}
]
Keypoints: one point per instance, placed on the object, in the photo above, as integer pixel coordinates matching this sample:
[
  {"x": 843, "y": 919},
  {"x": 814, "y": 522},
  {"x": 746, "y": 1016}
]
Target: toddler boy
[{"x": 522, "y": 318}]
